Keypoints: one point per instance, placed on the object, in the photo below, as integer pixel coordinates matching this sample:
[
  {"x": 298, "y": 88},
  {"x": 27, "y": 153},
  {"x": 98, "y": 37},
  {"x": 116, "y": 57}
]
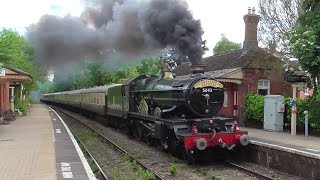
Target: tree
[
  {"x": 278, "y": 18},
  {"x": 16, "y": 52},
  {"x": 148, "y": 66},
  {"x": 306, "y": 40},
  {"x": 93, "y": 73},
  {"x": 225, "y": 45}
]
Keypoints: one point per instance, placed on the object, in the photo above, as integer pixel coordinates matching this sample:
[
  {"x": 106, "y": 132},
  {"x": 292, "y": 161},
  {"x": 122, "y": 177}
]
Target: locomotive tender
[{"x": 178, "y": 113}]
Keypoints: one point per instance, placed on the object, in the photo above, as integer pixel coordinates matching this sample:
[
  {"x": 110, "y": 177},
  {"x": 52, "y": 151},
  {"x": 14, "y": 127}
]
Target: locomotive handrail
[{"x": 213, "y": 135}]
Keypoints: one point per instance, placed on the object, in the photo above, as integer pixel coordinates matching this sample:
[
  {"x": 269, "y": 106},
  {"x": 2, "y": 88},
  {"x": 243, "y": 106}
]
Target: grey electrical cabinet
[{"x": 273, "y": 112}]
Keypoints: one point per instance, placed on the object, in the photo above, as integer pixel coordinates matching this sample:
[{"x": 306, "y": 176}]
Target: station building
[
  {"x": 248, "y": 70},
  {"x": 10, "y": 81}
]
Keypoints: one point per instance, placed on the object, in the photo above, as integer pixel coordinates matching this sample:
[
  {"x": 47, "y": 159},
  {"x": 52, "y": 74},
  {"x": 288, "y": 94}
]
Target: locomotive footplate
[
  {"x": 224, "y": 139},
  {"x": 212, "y": 132},
  {"x": 200, "y": 133}
]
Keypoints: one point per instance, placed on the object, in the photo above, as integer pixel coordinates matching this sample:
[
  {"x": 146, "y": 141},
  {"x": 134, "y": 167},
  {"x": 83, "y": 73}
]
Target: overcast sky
[{"x": 216, "y": 16}]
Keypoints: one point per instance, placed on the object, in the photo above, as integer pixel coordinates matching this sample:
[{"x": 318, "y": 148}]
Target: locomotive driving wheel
[
  {"x": 143, "y": 107},
  {"x": 157, "y": 112}
]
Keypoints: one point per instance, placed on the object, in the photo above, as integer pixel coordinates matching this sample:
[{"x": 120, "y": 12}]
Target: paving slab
[
  {"x": 38, "y": 146},
  {"x": 308, "y": 146},
  {"x": 70, "y": 161},
  {"x": 27, "y": 148}
]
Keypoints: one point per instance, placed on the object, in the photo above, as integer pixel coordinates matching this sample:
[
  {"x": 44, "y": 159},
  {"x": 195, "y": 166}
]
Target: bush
[
  {"x": 23, "y": 106},
  {"x": 253, "y": 110},
  {"x": 173, "y": 170}
]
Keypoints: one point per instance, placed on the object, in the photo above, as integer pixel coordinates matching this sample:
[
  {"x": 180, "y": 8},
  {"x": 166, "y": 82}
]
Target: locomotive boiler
[{"x": 195, "y": 97}]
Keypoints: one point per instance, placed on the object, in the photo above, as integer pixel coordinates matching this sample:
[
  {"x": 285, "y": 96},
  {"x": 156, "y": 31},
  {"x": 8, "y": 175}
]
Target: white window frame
[
  {"x": 264, "y": 86},
  {"x": 306, "y": 91},
  {"x": 225, "y": 100}
]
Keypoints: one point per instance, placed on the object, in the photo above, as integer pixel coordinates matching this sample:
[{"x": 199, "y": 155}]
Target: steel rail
[
  {"x": 248, "y": 171},
  {"x": 132, "y": 158},
  {"x": 102, "y": 173}
]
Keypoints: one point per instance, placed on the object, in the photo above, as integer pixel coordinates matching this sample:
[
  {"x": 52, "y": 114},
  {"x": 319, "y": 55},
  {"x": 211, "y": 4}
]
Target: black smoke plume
[{"x": 127, "y": 27}]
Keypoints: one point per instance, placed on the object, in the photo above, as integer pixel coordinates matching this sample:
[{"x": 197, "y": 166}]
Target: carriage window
[
  {"x": 225, "y": 101},
  {"x": 264, "y": 87}
]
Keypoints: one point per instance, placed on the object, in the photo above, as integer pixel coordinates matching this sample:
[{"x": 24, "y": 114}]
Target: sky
[{"x": 216, "y": 16}]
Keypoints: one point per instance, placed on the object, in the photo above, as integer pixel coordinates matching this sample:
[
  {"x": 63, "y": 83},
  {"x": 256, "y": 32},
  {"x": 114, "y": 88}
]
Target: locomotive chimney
[
  {"x": 196, "y": 69},
  {"x": 166, "y": 71}
]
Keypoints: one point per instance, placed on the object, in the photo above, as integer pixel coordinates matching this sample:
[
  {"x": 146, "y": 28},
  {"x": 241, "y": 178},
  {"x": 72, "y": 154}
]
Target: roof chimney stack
[{"x": 251, "y": 21}]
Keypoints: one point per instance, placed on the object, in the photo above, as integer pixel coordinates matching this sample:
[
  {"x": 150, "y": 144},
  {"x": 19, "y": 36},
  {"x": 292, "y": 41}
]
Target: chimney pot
[
  {"x": 249, "y": 10},
  {"x": 251, "y": 26},
  {"x": 253, "y": 10}
]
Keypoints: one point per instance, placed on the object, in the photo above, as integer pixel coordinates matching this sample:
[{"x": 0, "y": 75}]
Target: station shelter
[{"x": 10, "y": 79}]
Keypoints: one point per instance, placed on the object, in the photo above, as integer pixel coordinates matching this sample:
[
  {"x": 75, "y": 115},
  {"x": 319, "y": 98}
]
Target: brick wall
[{"x": 250, "y": 84}]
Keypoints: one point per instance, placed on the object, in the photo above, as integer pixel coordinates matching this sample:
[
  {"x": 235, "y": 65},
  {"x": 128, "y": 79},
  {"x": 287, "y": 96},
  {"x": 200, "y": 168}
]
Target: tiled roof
[
  {"x": 236, "y": 59},
  {"x": 20, "y": 72}
]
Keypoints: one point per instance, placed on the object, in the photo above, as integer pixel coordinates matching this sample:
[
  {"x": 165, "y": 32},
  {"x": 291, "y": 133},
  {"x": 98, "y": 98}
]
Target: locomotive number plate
[{"x": 206, "y": 89}]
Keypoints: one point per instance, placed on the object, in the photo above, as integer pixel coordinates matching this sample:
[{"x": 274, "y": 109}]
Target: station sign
[
  {"x": 295, "y": 77},
  {"x": 2, "y": 72}
]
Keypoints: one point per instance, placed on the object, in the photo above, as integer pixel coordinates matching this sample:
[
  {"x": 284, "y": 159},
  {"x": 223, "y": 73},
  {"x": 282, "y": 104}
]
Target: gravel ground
[{"x": 162, "y": 162}]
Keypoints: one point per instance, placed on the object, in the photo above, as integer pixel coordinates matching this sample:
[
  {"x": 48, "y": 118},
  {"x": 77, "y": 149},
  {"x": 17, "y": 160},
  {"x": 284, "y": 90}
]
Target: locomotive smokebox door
[{"x": 206, "y": 97}]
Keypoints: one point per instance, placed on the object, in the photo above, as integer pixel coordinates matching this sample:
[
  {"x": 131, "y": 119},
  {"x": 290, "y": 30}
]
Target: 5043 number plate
[{"x": 206, "y": 89}]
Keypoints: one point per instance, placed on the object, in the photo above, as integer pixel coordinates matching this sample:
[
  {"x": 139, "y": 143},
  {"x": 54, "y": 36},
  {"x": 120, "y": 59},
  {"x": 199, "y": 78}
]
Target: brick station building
[
  {"x": 248, "y": 70},
  {"x": 9, "y": 80}
]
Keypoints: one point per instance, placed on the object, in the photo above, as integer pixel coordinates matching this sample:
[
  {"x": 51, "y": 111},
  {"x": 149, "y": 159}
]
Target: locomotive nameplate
[{"x": 208, "y": 83}]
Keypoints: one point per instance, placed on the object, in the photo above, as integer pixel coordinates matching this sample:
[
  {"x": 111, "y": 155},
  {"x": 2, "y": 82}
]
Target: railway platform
[
  {"x": 39, "y": 146},
  {"x": 299, "y": 144},
  {"x": 296, "y": 155}
]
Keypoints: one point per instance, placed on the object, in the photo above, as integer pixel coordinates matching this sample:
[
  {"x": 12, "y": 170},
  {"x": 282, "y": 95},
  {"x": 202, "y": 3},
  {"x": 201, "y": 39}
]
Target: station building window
[
  {"x": 225, "y": 101},
  {"x": 264, "y": 87}
]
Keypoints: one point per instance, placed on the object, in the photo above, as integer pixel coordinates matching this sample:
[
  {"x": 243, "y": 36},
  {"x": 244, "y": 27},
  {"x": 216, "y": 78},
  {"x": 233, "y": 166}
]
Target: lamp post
[{"x": 294, "y": 111}]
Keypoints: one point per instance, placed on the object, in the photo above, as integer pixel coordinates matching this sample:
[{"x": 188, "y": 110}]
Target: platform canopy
[
  {"x": 14, "y": 75},
  {"x": 10, "y": 76}
]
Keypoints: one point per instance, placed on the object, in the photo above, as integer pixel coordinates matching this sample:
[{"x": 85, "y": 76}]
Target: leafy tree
[
  {"x": 47, "y": 87},
  {"x": 16, "y": 52},
  {"x": 225, "y": 46},
  {"x": 306, "y": 40},
  {"x": 148, "y": 66},
  {"x": 278, "y": 18},
  {"x": 94, "y": 73}
]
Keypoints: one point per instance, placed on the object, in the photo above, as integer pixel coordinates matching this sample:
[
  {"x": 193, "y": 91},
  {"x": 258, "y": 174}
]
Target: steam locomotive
[{"x": 179, "y": 114}]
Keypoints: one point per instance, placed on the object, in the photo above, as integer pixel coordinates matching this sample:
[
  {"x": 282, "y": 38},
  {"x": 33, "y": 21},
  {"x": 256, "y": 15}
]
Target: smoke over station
[{"x": 127, "y": 27}]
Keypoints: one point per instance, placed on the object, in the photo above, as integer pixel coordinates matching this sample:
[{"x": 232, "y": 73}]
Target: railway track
[
  {"x": 160, "y": 162},
  {"x": 102, "y": 175},
  {"x": 115, "y": 146},
  {"x": 248, "y": 171}
]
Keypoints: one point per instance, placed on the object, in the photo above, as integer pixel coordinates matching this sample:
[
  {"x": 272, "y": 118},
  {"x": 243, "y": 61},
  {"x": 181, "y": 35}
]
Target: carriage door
[{"x": 125, "y": 99}]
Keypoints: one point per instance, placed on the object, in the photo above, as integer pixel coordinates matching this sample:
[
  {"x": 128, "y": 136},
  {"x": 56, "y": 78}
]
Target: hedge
[{"x": 254, "y": 112}]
